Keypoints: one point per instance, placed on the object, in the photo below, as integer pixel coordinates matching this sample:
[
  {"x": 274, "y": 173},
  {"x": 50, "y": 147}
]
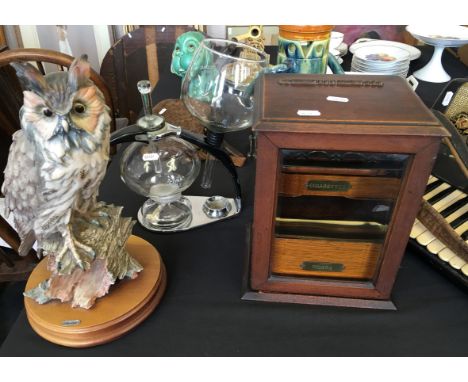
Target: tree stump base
[{"x": 128, "y": 303}]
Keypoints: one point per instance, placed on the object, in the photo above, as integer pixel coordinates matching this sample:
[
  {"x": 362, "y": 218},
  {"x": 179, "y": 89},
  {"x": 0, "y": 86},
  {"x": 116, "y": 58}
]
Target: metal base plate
[{"x": 198, "y": 216}]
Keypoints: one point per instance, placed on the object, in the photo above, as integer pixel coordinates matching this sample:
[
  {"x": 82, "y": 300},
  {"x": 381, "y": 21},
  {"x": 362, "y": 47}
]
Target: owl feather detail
[{"x": 57, "y": 159}]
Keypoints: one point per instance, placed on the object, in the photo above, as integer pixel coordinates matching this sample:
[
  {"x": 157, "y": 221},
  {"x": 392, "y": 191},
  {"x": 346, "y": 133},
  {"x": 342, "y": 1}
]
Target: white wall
[
  {"x": 216, "y": 31},
  {"x": 93, "y": 40}
]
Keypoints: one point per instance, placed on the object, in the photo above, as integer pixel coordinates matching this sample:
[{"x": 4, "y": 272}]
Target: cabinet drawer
[
  {"x": 339, "y": 185},
  {"x": 325, "y": 258}
]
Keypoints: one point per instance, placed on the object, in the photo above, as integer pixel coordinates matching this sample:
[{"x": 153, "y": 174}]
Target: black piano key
[
  {"x": 454, "y": 207},
  {"x": 433, "y": 186},
  {"x": 441, "y": 195},
  {"x": 459, "y": 221},
  {"x": 464, "y": 236}
]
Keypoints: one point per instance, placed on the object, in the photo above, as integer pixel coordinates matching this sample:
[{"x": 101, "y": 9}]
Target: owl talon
[
  {"x": 96, "y": 217},
  {"x": 104, "y": 214},
  {"x": 77, "y": 249},
  {"x": 87, "y": 220},
  {"x": 99, "y": 213},
  {"x": 96, "y": 223}
]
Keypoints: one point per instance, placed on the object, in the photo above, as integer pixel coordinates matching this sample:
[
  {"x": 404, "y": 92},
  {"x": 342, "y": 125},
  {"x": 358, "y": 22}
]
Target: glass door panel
[{"x": 333, "y": 211}]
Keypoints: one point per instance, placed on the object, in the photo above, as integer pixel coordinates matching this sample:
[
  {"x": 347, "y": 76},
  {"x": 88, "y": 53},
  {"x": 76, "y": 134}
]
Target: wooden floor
[{"x": 11, "y": 303}]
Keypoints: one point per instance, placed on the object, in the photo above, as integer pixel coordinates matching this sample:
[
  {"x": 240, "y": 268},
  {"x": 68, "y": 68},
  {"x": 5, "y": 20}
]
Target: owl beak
[{"x": 65, "y": 125}]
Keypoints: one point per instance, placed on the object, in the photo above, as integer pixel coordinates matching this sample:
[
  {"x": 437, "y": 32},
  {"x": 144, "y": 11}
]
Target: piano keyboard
[{"x": 452, "y": 205}]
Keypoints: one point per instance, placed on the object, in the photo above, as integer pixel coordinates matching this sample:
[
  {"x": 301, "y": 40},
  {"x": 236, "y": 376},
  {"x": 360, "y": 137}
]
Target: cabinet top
[{"x": 345, "y": 104}]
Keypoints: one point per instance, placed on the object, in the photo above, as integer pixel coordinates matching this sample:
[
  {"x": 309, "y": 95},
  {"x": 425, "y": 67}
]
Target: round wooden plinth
[{"x": 128, "y": 303}]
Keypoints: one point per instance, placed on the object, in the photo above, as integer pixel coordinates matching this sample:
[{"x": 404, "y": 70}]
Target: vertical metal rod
[{"x": 144, "y": 87}]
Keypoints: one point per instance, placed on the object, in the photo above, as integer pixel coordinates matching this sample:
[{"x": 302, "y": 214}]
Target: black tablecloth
[{"x": 201, "y": 313}]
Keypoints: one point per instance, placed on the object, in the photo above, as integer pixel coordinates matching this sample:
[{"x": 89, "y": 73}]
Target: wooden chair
[{"x": 12, "y": 267}]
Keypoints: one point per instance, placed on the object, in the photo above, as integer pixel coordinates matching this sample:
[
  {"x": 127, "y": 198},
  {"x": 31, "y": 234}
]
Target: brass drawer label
[
  {"x": 322, "y": 267},
  {"x": 328, "y": 185}
]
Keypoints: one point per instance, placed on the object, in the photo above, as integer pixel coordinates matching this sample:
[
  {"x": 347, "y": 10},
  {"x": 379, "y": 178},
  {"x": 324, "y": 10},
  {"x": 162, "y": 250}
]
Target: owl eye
[
  {"x": 47, "y": 112},
  {"x": 79, "y": 108}
]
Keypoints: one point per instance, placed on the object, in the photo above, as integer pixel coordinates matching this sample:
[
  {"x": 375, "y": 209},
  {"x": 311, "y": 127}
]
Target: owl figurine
[
  {"x": 58, "y": 158},
  {"x": 56, "y": 163}
]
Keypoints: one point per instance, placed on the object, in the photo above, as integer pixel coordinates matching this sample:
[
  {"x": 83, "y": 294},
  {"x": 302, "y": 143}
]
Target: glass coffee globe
[
  {"x": 161, "y": 170},
  {"x": 218, "y": 86},
  {"x": 218, "y": 89}
]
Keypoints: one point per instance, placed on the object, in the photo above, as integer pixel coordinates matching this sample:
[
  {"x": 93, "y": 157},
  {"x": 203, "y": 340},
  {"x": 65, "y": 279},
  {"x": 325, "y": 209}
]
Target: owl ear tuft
[
  {"x": 79, "y": 72},
  {"x": 30, "y": 78}
]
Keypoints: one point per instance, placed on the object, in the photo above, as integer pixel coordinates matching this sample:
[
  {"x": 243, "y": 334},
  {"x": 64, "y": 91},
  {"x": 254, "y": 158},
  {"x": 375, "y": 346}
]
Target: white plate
[
  {"x": 414, "y": 52},
  {"x": 381, "y": 56},
  {"x": 387, "y": 65},
  {"x": 440, "y": 35}
]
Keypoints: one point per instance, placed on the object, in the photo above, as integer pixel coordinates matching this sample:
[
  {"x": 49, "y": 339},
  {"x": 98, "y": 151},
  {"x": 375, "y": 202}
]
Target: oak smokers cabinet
[{"x": 342, "y": 164}]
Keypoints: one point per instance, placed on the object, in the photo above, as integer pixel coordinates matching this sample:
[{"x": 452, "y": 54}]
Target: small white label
[
  {"x": 150, "y": 156},
  {"x": 337, "y": 99},
  {"x": 447, "y": 98},
  {"x": 163, "y": 110},
  {"x": 308, "y": 113},
  {"x": 71, "y": 322}
]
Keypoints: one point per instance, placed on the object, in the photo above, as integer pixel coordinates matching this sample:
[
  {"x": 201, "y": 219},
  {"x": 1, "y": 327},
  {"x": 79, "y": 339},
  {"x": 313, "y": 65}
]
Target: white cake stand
[{"x": 440, "y": 37}]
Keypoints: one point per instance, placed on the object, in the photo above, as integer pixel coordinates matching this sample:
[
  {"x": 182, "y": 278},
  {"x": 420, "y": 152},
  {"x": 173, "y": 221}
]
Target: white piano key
[
  {"x": 462, "y": 228},
  {"x": 446, "y": 254},
  {"x": 418, "y": 229},
  {"x": 448, "y": 200},
  {"x": 436, "y": 190},
  {"x": 456, "y": 214},
  {"x": 457, "y": 262},
  {"x": 425, "y": 238},
  {"x": 464, "y": 269},
  {"x": 435, "y": 246},
  {"x": 432, "y": 179}
]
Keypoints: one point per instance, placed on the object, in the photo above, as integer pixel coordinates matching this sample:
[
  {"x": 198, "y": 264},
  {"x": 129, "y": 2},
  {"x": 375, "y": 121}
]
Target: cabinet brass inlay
[
  {"x": 322, "y": 267},
  {"x": 328, "y": 185}
]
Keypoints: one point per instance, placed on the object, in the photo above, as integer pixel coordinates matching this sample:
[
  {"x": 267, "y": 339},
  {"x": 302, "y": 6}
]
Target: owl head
[{"x": 63, "y": 108}]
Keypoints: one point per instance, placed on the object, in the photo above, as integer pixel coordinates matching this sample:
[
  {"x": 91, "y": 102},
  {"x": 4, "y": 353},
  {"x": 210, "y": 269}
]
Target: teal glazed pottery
[
  {"x": 184, "y": 49},
  {"x": 305, "y": 48}
]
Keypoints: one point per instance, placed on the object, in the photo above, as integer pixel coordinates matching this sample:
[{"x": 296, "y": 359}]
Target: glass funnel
[
  {"x": 161, "y": 170},
  {"x": 218, "y": 86},
  {"x": 218, "y": 89}
]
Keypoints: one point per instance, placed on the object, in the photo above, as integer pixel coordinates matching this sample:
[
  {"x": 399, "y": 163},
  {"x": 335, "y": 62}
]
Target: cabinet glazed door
[{"x": 333, "y": 212}]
